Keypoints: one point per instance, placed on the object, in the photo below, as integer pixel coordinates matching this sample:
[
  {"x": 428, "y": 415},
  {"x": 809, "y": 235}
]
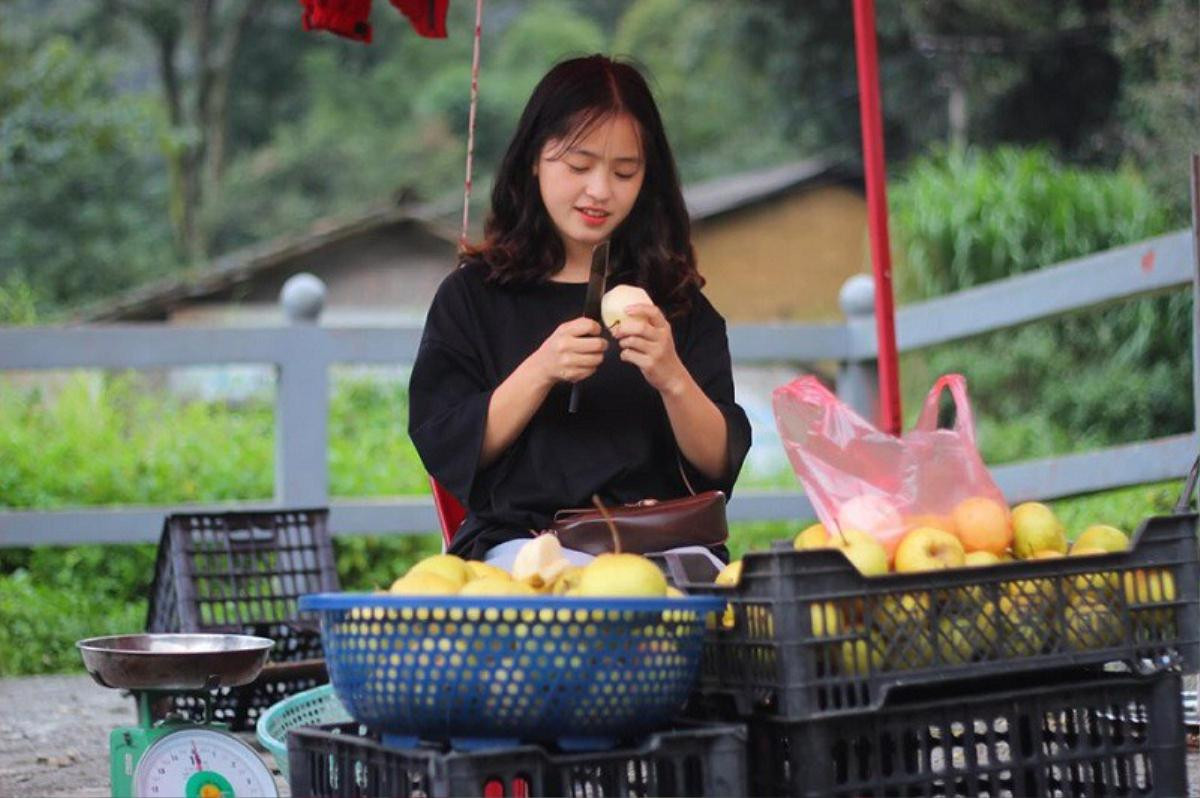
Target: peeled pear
[
  {"x": 614, "y": 302},
  {"x": 539, "y": 562}
]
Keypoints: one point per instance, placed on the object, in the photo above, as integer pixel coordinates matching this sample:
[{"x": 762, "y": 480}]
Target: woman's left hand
[{"x": 646, "y": 342}]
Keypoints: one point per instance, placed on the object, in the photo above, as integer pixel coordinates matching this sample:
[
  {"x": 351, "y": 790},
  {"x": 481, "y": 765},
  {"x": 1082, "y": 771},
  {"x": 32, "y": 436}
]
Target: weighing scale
[{"x": 176, "y": 756}]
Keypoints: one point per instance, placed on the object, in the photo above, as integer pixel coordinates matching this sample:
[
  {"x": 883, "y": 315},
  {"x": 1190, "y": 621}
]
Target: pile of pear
[
  {"x": 539, "y": 569},
  {"x": 1016, "y": 619}
]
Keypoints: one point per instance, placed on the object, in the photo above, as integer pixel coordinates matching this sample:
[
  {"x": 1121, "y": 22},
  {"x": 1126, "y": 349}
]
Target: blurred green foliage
[
  {"x": 1088, "y": 379},
  {"x": 109, "y": 440},
  {"x": 77, "y": 184}
]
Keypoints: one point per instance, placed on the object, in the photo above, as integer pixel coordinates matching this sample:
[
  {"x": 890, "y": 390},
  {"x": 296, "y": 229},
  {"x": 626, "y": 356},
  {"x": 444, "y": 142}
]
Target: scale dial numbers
[{"x": 202, "y": 763}]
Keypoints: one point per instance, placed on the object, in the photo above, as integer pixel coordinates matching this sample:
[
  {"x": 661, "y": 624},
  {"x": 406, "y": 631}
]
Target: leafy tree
[
  {"x": 78, "y": 195},
  {"x": 1158, "y": 110},
  {"x": 806, "y": 53},
  {"x": 1100, "y": 81},
  {"x": 702, "y": 82},
  {"x": 1040, "y": 72},
  {"x": 196, "y": 45}
]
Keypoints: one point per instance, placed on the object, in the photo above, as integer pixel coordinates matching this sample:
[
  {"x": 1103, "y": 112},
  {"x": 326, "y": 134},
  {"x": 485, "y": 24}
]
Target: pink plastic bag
[{"x": 857, "y": 476}]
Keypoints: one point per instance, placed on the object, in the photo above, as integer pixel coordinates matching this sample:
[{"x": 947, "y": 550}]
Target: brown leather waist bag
[{"x": 647, "y": 526}]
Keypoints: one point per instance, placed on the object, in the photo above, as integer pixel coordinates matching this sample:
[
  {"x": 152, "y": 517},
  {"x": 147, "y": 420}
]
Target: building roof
[
  {"x": 242, "y": 265},
  {"x": 724, "y": 194},
  {"x": 705, "y": 200}
]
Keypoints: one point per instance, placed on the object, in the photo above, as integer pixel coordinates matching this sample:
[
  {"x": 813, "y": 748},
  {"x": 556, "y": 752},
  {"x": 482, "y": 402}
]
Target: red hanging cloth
[
  {"x": 349, "y": 18},
  {"x": 428, "y": 17},
  {"x": 342, "y": 17}
]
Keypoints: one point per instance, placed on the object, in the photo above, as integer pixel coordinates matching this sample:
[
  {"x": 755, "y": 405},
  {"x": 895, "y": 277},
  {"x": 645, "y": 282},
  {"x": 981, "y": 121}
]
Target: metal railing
[{"x": 303, "y": 353}]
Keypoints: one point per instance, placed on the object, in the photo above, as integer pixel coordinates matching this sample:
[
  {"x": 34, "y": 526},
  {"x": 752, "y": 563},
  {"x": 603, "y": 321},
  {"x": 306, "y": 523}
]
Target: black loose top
[{"x": 619, "y": 443}]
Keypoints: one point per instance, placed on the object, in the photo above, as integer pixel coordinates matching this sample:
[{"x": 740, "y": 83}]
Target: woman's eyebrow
[{"x": 590, "y": 154}]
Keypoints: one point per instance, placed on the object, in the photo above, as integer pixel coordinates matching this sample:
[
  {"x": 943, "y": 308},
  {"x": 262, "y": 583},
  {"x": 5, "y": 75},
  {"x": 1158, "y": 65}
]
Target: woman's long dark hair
[{"x": 652, "y": 246}]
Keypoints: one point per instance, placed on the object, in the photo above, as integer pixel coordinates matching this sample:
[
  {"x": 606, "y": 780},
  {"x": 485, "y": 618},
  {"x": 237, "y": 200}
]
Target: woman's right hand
[{"x": 573, "y": 351}]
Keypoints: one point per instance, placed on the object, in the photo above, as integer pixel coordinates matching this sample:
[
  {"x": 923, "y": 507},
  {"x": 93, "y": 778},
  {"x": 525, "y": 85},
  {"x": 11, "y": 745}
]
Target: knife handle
[{"x": 573, "y": 403}]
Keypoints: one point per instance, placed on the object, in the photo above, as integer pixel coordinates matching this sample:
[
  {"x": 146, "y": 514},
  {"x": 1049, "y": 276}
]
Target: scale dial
[{"x": 202, "y": 763}]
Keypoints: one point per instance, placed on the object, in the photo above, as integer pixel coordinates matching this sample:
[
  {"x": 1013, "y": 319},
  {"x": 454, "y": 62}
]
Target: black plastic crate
[
  {"x": 348, "y": 761},
  {"x": 805, "y": 635},
  {"x": 1108, "y": 735},
  {"x": 243, "y": 573}
]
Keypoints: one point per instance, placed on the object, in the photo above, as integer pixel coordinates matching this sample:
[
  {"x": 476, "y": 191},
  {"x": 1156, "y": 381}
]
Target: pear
[
  {"x": 862, "y": 657},
  {"x": 613, "y": 304},
  {"x": 1101, "y": 536},
  {"x": 976, "y": 559},
  {"x": 539, "y": 562},
  {"x": 958, "y": 639},
  {"x": 481, "y": 570},
  {"x": 451, "y": 568},
  {"x": 565, "y": 581},
  {"x": 825, "y": 619},
  {"x": 491, "y": 586},
  {"x": 1093, "y": 626},
  {"x": 929, "y": 549},
  {"x": 815, "y": 536},
  {"x": 730, "y": 575},
  {"x": 862, "y": 550},
  {"x": 903, "y": 615},
  {"x": 628, "y": 575},
  {"x": 423, "y": 583},
  {"x": 1036, "y": 528},
  {"x": 1023, "y": 623}
]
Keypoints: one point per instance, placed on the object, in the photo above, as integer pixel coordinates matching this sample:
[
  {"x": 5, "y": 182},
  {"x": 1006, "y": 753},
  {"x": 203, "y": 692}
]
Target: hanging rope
[{"x": 462, "y": 239}]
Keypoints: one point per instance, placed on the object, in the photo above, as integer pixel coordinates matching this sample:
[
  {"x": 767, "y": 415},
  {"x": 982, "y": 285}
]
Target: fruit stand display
[
  {"x": 966, "y": 653},
  {"x": 805, "y": 634},
  {"x": 970, "y": 653}
]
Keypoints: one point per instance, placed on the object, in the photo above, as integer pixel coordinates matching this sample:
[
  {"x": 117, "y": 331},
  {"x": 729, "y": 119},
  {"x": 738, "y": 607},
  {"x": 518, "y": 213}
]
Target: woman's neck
[{"x": 577, "y": 268}]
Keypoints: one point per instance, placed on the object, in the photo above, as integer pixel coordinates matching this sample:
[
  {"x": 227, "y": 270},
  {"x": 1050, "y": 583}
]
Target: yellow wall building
[{"x": 781, "y": 242}]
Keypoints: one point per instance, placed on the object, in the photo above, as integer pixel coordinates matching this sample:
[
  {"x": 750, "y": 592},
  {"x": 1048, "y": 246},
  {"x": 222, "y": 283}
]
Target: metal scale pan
[{"x": 174, "y": 661}]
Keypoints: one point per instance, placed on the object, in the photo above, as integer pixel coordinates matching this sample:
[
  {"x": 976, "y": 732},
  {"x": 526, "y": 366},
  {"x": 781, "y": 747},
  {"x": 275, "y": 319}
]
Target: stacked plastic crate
[
  {"x": 1043, "y": 677},
  {"x": 243, "y": 573}
]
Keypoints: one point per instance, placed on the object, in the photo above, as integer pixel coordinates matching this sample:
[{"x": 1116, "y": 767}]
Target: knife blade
[{"x": 597, "y": 278}]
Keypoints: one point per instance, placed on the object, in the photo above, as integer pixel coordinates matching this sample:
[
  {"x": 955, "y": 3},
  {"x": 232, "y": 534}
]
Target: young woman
[{"x": 505, "y": 338}]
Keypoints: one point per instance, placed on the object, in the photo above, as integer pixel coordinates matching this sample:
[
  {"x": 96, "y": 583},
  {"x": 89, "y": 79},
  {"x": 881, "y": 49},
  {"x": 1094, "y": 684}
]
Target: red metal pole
[{"x": 871, "y": 119}]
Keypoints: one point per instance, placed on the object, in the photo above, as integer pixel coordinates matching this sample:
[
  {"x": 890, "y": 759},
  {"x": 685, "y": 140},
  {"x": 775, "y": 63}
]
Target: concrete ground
[{"x": 54, "y": 737}]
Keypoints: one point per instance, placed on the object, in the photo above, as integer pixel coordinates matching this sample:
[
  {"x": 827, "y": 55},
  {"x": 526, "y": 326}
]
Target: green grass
[{"x": 1124, "y": 507}]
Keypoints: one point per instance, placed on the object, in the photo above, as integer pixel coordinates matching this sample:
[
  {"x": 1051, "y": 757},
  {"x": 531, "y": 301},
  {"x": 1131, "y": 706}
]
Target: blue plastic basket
[
  {"x": 482, "y": 672},
  {"x": 310, "y": 708}
]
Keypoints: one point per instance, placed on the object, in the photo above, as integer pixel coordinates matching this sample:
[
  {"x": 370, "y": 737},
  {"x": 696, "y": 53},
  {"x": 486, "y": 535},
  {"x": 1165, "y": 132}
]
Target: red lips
[{"x": 591, "y": 220}]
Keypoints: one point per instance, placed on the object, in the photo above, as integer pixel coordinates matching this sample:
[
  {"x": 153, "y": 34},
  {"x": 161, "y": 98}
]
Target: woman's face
[{"x": 590, "y": 187}]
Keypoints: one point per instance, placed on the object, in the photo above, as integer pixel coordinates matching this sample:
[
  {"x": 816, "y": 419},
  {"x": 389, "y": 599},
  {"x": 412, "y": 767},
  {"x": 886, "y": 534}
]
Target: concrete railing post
[
  {"x": 858, "y": 380},
  {"x": 302, "y": 400}
]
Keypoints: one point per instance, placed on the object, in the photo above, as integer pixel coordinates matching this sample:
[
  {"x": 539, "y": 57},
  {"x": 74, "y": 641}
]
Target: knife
[{"x": 591, "y": 302}]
